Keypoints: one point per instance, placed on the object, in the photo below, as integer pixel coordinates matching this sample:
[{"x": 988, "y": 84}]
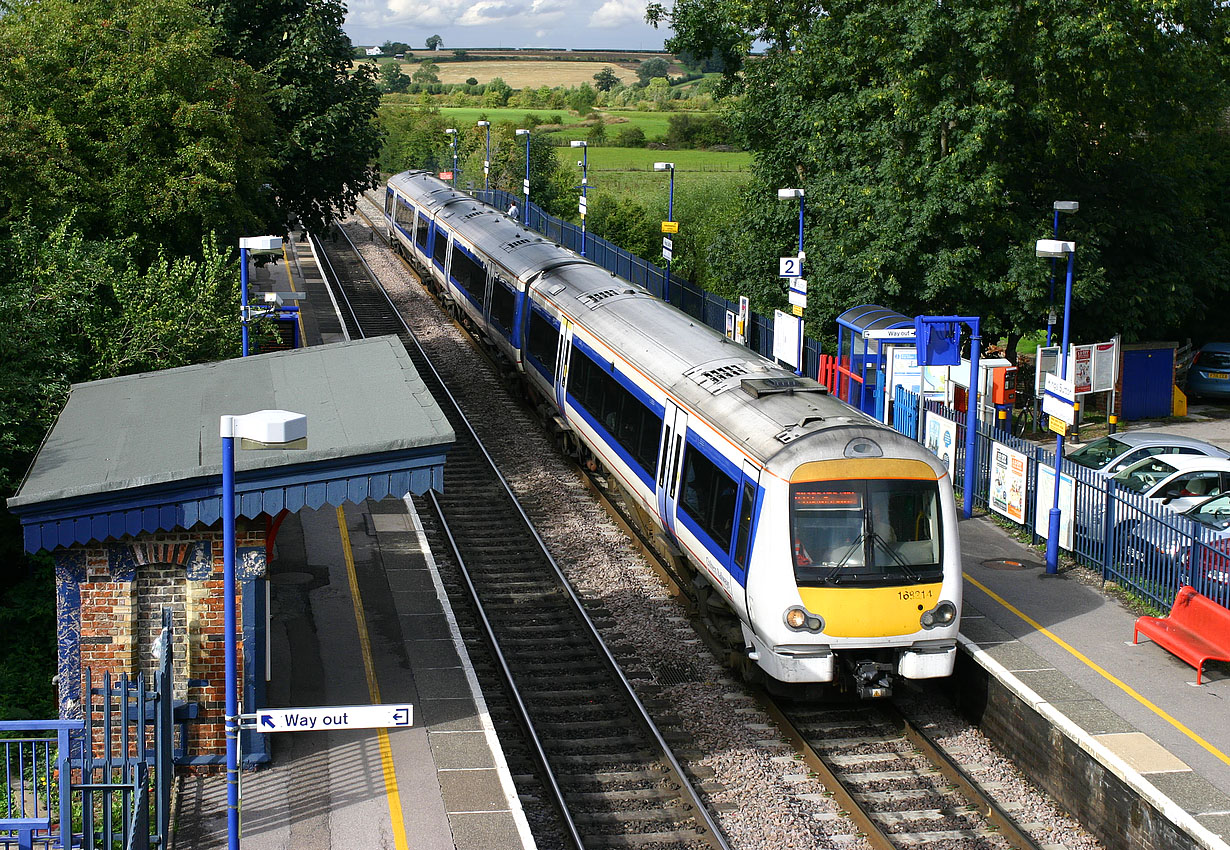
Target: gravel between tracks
[{"x": 764, "y": 796}]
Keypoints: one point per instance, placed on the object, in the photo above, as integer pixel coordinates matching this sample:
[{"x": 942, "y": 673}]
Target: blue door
[{"x": 1148, "y": 381}]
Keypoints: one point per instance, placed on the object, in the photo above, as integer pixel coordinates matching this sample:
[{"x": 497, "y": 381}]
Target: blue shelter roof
[
  {"x": 142, "y": 453},
  {"x": 872, "y": 317}
]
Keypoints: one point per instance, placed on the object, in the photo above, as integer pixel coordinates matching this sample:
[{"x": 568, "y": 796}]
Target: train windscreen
[{"x": 865, "y": 533}]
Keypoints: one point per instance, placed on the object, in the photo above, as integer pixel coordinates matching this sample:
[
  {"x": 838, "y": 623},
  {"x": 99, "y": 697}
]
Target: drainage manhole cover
[{"x": 1008, "y": 564}]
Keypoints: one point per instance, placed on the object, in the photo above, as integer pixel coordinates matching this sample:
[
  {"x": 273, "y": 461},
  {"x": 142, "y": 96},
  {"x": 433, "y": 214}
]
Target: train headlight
[
  {"x": 941, "y": 615},
  {"x": 800, "y": 619}
]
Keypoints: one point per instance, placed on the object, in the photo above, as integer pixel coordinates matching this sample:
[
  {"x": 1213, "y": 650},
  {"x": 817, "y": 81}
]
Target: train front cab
[{"x": 875, "y": 566}]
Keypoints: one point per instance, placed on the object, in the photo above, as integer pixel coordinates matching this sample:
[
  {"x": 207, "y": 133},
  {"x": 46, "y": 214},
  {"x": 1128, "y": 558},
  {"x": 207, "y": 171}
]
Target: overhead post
[
  {"x": 451, "y": 132},
  {"x": 668, "y": 243},
  {"x": 584, "y": 163},
  {"x": 264, "y": 429},
  {"x": 487, "y": 161},
  {"x": 526, "y": 185},
  {"x": 1058, "y": 206},
  {"x": 797, "y": 285},
  {"x": 247, "y": 244},
  {"x": 1057, "y": 249}
]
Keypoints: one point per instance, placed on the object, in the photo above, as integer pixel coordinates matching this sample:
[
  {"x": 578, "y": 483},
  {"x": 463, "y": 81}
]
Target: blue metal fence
[
  {"x": 87, "y": 782},
  {"x": 1134, "y": 541}
]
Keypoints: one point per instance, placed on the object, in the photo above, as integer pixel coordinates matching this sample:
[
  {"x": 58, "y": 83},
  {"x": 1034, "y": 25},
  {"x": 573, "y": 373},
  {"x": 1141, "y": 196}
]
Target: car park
[
  {"x": 1147, "y": 488},
  {"x": 1167, "y": 544},
  {"x": 1116, "y": 452},
  {"x": 1209, "y": 374}
]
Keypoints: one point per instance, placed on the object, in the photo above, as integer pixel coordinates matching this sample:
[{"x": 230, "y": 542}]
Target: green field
[
  {"x": 628, "y": 172},
  {"x": 653, "y": 124}
]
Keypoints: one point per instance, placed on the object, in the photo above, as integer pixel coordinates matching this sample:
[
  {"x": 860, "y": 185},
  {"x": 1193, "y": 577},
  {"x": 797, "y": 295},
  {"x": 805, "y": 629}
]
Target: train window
[
  {"x": 865, "y": 532},
  {"x": 420, "y": 235},
  {"x": 746, "y": 513},
  {"x": 503, "y": 305},
  {"x": 633, "y": 425},
  {"x": 708, "y": 496},
  {"x": 389, "y": 200},
  {"x": 439, "y": 251},
  {"x": 469, "y": 274},
  {"x": 404, "y": 214},
  {"x": 542, "y": 341}
]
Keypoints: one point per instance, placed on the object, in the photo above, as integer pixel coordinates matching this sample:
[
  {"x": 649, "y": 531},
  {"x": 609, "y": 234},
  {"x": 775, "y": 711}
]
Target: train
[{"x": 822, "y": 543}]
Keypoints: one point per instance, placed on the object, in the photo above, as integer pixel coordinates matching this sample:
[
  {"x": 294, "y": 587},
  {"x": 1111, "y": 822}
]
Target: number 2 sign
[{"x": 789, "y": 267}]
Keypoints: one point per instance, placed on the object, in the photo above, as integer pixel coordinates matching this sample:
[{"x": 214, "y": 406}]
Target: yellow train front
[{"x": 855, "y": 576}]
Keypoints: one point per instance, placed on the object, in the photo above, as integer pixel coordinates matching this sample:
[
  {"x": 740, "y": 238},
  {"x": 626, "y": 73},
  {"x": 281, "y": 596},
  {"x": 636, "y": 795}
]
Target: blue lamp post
[
  {"x": 785, "y": 195},
  {"x": 1059, "y": 206},
  {"x": 670, "y": 216},
  {"x": 584, "y": 163},
  {"x": 264, "y": 429},
  {"x": 451, "y": 132},
  {"x": 247, "y": 244},
  {"x": 525, "y": 215},
  {"x": 487, "y": 161},
  {"x": 1056, "y": 249}
]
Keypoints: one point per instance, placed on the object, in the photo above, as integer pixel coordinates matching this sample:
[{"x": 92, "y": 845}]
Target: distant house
[{"x": 374, "y": 51}]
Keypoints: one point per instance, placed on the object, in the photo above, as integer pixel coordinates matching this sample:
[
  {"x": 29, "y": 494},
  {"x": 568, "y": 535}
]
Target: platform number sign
[{"x": 789, "y": 267}]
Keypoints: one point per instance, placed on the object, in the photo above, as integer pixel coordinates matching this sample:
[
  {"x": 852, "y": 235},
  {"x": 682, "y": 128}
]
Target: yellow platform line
[
  {"x": 373, "y": 688},
  {"x": 1088, "y": 662}
]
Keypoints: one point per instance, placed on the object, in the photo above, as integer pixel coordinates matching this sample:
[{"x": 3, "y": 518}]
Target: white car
[
  {"x": 1177, "y": 481},
  {"x": 1116, "y": 452}
]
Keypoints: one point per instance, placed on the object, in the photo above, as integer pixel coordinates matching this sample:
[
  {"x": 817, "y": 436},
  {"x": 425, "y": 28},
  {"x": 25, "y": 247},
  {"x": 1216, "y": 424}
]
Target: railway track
[{"x": 595, "y": 751}]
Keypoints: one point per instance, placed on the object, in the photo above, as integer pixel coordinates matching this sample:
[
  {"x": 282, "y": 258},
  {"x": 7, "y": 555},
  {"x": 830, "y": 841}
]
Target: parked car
[
  {"x": 1177, "y": 482},
  {"x": 1116, "y": 452},
  {"x": 1167, "y": 544},
  {"x": 1209, "y": 374}
]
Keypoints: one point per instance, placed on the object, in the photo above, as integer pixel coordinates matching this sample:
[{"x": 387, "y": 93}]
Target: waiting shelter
[
  {"x": 860, "y": 354},
  {"x": 126, "y": 495}
]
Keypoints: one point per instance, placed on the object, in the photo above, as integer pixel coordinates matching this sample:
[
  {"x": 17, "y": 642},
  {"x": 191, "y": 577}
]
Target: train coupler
[{"x": 873, "y": 680}]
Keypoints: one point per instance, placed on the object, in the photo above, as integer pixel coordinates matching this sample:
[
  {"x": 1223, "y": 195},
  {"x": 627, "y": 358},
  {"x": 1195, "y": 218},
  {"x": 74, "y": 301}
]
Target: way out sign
[{"x": 330, "y": 717}]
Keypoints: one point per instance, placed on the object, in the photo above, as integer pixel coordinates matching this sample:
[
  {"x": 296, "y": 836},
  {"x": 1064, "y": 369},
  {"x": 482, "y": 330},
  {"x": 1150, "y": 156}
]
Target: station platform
[
  {"x": 359, "y": 616},
  {"x": 1064, "y": 646}
]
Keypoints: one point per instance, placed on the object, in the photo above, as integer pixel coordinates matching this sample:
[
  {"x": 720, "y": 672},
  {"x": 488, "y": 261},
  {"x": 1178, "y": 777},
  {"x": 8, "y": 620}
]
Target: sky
[{"x": 576, "y": 24}]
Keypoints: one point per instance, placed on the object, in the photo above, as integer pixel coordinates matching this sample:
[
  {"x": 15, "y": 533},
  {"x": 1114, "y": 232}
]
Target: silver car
[{"x": 1116, "y": 452}]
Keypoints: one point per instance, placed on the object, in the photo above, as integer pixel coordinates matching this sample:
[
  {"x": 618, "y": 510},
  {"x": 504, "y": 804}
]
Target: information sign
[
  {"x": 670, "y": 227},
  {"x": 891, "y": 333},
  {"x": 1046, "y": 363},
  {"x": 446, "y": 175},
  {"x": 1082, "y": 369},
  {"x": 787, "y": 332},
  {"x": 745, "y": 308},
  {"x": 1008, "y": 468},
  {"x": 798, "y": 299},
  {"x": 668, "y": 243},
  {"x": 730, "y": 324},
  {"x": 525, "y": 187},
  {"x": 941, "y": 438},
  {"x": 1061, "y": 389},
  {"x": 1046, "y": 498},
  {"x": 1057, "y": 425},
  {"x": 789, "y": 267},
  {"x": 326, "y": 718}
]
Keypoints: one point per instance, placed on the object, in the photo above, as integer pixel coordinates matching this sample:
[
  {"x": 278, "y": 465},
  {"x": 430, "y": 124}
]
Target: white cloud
[
  {"x": 618, "y": 13},
  {"x": 488, "y": 12}
]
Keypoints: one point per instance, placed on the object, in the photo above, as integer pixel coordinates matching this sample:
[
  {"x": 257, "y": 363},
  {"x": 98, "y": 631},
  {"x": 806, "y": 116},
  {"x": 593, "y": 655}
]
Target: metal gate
[{"x": 100, "y": 781}]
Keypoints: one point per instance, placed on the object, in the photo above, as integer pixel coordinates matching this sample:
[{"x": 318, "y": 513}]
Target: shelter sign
[{"x": 1008, "y": 468}]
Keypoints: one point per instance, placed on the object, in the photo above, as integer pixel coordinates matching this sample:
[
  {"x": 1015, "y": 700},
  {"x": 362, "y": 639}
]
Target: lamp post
[
  {"x": 487, "y": 161},
  {"x": 668, "y": 249},
  {"x": 1055, "y": 249},
  {"x": 785, "y": 195},
  {"x": 247, "y": 244},
  {"x": 1059, "y": 206},
  {"x": 452, "y": 133},
  {"x": 264, "y": 429},
  {"x": 584, "y": 163},
  {"x": 525, "y": 215}
]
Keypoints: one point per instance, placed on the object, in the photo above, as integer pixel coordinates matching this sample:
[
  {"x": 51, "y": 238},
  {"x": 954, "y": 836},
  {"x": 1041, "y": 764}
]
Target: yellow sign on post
[
  {"x": 1058, "y": 425},
  {"x": 796, "y": 309},
  {"x": 670, "y": 227}
]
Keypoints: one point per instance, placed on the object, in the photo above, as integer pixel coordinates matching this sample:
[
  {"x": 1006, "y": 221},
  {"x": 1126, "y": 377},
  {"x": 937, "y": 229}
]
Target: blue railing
[
  {"x": 698, "y": 303},
  {"x": 1134, "y": 541}
]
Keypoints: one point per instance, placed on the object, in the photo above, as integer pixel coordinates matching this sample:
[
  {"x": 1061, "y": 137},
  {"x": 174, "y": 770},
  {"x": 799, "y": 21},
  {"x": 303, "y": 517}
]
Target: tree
[
  {"x": 426, "y": 73},
  {"x": 651, "y": 68},
  {"x": 605, "y": 80},
  {"x": 496, "y": 93},
  {"x": 434, "y": 42},
  {"x": 944, "y": 133},
  {"x": 324, "y": 114},
  {"x": 581, "y": 99},
  {"x": 460, "y": 55},
  {"x": 392, "y": 78},
  {"x": 122, "y": 112},
  {"x": 471, "y": 81},
  {"x": 412, "y": 139},
  {"x": 392, "y": 48}
]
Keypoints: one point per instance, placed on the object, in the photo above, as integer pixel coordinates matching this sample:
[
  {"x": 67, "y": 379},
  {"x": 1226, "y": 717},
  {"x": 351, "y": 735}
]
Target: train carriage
[{"x": 829, "y": 538}]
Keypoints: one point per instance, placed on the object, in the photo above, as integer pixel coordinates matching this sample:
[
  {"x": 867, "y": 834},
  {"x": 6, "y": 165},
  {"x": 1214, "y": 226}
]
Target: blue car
[{"x": 1209, "y": 375}]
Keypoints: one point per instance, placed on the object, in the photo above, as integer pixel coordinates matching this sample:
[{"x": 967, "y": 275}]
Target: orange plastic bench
[{"x": 1196, "y": 630}]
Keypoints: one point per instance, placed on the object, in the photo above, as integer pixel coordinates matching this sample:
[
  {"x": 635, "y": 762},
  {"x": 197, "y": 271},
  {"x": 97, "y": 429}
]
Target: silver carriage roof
[
  {"x": 768, "y": 411},
  {"x": 520, "y": 251}
]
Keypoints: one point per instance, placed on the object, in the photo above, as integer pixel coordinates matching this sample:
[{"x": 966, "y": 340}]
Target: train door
[
  {"x": 670, "y": 457},
  {"x": 745, "y": 522},
  {"x": 562, "y": 359},
  {"x": 487, "y": 295}
]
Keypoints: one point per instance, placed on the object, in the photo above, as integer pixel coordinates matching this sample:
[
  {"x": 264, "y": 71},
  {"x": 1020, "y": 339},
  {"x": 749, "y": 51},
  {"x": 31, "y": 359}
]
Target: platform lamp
[
  {"x": 264, "y": 429},
  {"x": 785, "y": 195},
  {"x": 1056, "y": 249},
  {"x": 247, "y": 244},
  {"x": 584, "y": 163},
  {"x": 452, "y": 133},
  {"x": 670, "y": 216},
  {"x": 487, "y": 161},
  {"x": 526, "y": 185},
  {"x": 1059, "y": 206}
]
